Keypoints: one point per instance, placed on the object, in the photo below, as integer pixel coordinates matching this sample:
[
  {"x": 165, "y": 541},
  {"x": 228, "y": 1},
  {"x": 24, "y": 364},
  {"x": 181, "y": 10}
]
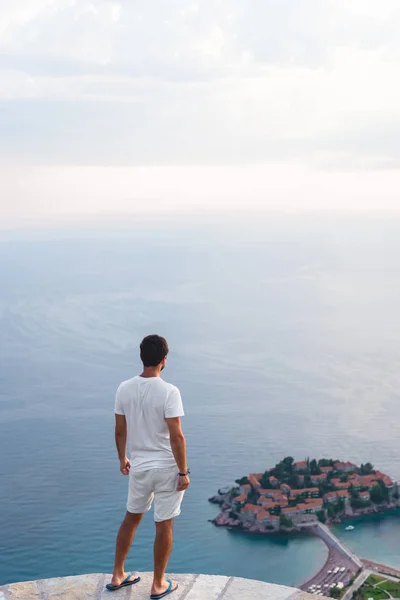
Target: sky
[{"x": 136, "y": 105}]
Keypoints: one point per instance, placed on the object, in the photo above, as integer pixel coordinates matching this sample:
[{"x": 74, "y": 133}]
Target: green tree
[
  {"x": 285, "y": 522},
  {"x": 325, "y": 487},
  {"x": 325, "y": 462},
  {"x": 253, "y": 496},
  {"x": 294, "y": 481},
  {"x": 367, "y": 469},
  {"x": 234, "y": 493},
  {"x": 336, "y": 593},
  {"x": 331, "y": 510},
  {"x": 321, "y": 516},
  {"x": 264, "y": 481},
  {"x": 314, "y": 468},
  {"x": 276, "y": 510},
  {"x": 379, "y": 494},
  {"x": 335, "y": 509},
  {"x": 359, "y": 503},
  {"x": 353, "y": 492},
  {"x": 307, "y": 481},
  {"x": 242, "y": 481}
]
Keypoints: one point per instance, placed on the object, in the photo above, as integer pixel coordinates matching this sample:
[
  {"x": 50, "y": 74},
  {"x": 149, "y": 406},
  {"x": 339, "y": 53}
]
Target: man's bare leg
[
  {"x": 162, "y": 552},
  {"x": 125, "y": 537}
]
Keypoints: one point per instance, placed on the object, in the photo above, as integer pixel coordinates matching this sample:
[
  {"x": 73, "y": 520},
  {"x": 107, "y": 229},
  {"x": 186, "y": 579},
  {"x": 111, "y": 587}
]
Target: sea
[{"x": 284, "y": 330}]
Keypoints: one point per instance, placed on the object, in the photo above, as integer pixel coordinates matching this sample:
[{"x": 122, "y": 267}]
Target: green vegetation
[
  {"x": 335, "y": 509},
  {"x": 366, "y": 591},
  {"x": 242, "y": 481},
  {"x": 326, "y": 462},
  {"x": 336, "y": 593},
  {"x": 314, "y": 467},
  {"x": 374, "y": 579},
  {"x": 379, "y": 493},
  {"x": 285, "y": 522},
  {"x": 378, "y": 588},
  {"x": 325, "y": 487},
  {"x": 234, "y": 493},
  {"x": 276, "y": 510},
  {"x": 321, "y": 516},
  {"x": 357, "y": 502},
  {"x": 367, "y": 469},
  {"x": 253, "y": 496},
  {"x": 283, "y": 470},
  {"x": 393, "y": 587},
  {"x": 298, "y": 476}
]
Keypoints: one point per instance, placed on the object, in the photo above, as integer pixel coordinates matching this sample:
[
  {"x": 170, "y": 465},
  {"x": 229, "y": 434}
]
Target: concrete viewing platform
[{"x": 191, "y": 587}]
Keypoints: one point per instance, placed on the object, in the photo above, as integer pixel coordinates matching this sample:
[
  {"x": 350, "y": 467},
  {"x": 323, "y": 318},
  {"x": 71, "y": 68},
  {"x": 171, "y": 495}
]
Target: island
[
  {"x": 294, "y": 495},
  {"x": 309, "y": 496}
]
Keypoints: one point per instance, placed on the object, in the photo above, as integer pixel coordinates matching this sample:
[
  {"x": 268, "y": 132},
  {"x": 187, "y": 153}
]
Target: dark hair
[{"x": 153, "y": 350}]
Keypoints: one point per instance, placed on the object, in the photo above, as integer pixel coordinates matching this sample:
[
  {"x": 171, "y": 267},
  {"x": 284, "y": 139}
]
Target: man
[{"x": 148, "y": 413}]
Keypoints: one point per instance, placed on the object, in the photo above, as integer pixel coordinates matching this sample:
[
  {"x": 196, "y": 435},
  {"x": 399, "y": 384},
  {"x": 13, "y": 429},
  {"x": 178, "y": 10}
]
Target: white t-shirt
[{"x": 146, "y": 402}]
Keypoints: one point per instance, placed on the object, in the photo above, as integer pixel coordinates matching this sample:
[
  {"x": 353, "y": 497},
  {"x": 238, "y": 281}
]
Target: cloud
[{"x": 216, "y": 81}]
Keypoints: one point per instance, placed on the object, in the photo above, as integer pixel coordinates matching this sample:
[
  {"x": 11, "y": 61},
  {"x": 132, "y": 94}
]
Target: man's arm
[
  {"x": 178, "y": 445},
  {"x": 120, "y": 442}
]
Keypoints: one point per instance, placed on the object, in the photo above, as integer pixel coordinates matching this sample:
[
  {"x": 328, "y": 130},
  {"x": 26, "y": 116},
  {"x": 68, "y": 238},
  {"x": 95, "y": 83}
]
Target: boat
[{"x": 349, "y": 528}]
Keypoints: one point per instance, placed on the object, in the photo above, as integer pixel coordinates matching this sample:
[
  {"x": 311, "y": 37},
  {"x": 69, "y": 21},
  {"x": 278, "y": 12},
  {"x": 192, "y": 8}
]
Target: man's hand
[
  {"x": 183, "y": 483},
  {"x": 124, "y": 466}
]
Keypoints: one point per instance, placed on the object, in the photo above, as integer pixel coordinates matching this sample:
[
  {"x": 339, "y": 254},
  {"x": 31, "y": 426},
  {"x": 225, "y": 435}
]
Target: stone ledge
[{"x": 191, "y": 587}]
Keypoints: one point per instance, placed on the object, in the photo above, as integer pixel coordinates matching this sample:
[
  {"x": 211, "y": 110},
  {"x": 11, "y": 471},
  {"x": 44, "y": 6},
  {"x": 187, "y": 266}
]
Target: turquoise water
[
  {"x": 376, "y": 537},
  {"x": 285, "y": 339}
]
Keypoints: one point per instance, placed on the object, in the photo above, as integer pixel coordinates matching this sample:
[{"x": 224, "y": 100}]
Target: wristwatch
[{"x": 184, "y": 474}]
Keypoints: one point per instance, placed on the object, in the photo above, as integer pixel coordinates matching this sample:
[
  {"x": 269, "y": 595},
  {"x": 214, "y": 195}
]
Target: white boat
[{"x": 349, "y": 528}]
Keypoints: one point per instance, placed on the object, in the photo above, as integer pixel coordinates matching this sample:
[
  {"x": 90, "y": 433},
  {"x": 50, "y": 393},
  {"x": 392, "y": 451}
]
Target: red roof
[
  {"x": 321, "y": 477},
  {"x": 329, "y": 495},
  {"x": 342, "y": 494},
  {"x": 252, "y": 508},
  {"x": 343, "y": 465},
  {"x": 262, "y": 515},
  {"x": 313, "y": 490},
  {"x": 316, "y": 502},
  {"x": 253, "y": 480},
  {"x": 264, "y": 500},
  {"x": 240, "y": 498},
  {"x": 387, "y": 480}
]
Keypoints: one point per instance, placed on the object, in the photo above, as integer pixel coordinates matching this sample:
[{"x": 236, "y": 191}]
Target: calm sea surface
[{"x": 285, "y": 340}]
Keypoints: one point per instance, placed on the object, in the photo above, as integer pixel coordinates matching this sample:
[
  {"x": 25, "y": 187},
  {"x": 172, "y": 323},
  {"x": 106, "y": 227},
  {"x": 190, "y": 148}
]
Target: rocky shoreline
[{"x": 225, "y": 518}]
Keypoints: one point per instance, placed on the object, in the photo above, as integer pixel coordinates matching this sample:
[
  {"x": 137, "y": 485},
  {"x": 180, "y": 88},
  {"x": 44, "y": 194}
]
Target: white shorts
[{"x": 158, "y": 485}]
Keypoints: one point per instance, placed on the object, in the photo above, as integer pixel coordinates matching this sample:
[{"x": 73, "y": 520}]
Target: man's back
[
  {"x": 148, "y": 427},
  {"x": 146, "y": 402}
]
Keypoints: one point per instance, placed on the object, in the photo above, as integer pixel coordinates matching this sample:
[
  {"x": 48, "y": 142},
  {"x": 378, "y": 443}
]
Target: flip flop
[
  {"x": 169, "y": 590},
  {"x": 125, "y": 583}
]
